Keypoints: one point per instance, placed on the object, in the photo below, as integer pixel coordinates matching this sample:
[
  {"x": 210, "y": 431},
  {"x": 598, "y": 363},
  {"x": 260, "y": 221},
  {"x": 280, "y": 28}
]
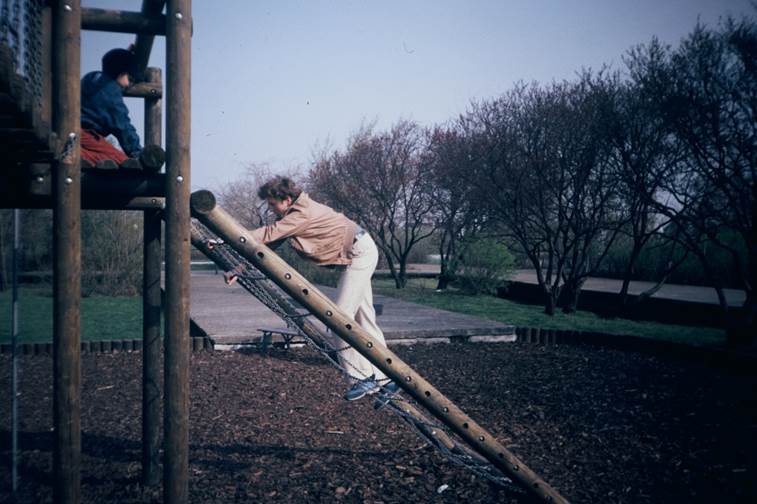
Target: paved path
[
  {"x": 230, "y": 315},
  {"x": 694, "y": 293}
]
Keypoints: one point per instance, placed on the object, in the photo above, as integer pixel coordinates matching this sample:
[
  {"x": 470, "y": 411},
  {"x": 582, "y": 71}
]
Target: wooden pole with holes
[
  {"x": 204, "y": 208},
  {"x": 177, "y": 217},
  {"x": 314, "y": 333},
  {"x": 67, "y": 254}
]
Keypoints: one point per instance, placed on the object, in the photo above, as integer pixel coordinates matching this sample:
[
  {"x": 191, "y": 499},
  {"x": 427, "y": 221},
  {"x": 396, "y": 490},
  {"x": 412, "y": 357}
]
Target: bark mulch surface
[{"x": 599, "y": 425}]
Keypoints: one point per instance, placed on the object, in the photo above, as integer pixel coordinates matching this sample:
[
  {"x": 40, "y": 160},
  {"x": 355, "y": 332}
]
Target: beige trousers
[{"x": 355, "y": 297}]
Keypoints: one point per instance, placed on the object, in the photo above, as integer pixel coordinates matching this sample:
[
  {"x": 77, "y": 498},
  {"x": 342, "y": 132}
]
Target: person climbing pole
[{"x": 328, "y": 238}]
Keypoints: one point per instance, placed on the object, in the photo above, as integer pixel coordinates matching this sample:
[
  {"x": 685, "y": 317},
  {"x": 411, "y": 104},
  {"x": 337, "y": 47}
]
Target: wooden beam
[
  {"x": 122, "y": 22},
  {"x": 151, "y": 305},
  {"x": 95, "y": 202},
  {"x": 117, "y": 184},
  {"x": 31, "y": 187},
  {"x": 144, "y": 90},
  {"x": 177, "y": 231},
  {"x": 143, "y": 43},
  {"x": 67, "y": 255},
  {"x": 302, "y": 291}
]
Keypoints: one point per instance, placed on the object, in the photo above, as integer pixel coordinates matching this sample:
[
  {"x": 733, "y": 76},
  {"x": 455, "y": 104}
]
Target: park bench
[{"x": 289, "y": 337}]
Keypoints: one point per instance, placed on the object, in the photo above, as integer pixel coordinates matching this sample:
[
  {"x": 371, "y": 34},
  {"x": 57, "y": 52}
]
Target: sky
[{"x": 275, "y": 81}]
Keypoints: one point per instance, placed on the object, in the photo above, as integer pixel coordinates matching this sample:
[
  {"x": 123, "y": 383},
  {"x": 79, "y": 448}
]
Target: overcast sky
[{"x": 273, "y": 79}]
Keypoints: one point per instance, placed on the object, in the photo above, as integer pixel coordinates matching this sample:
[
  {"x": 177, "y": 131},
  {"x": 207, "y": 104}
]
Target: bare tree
[
  {"x": 459, "y": 217},
  {"x": 707, "y": 96},
  {"x": 545, "y": 171},
  {"x": 642, "y": 156},
  {"x": 592, "y": 204},
  {"x": 240, "y": 196},
  {"x": 514, "y": 150},
  {"x": 111, "y": 253},
  {"x": 381, "y": 181}
]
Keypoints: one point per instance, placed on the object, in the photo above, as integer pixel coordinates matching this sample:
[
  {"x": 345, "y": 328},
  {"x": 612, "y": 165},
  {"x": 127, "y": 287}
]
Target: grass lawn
[
  {"x": 105, "y": 317},
  {"x": 423, "y": 291},
  {"x": 102, "y": 317}
]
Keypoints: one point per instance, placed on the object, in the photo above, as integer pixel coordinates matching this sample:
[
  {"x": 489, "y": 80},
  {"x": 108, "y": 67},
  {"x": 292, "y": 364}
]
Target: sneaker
[
  {"x": 386, "y": 394},
  {"x": 362, "y": 388}
]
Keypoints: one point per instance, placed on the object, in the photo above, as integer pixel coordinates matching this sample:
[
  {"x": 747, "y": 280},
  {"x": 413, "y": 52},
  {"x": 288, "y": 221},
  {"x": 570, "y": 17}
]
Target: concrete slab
[
  {"x": 694, "y": 293},
  {"x": 231, "y": 316}
]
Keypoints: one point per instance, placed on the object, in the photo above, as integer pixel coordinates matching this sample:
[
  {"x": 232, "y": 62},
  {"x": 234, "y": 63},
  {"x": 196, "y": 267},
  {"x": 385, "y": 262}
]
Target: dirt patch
[{"x": 600, "y": 425}]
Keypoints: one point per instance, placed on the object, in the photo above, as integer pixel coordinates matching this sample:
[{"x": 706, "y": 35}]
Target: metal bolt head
[
  {"x": 40, "y": 179},
  {"x": 72, "y": 135},
  {"x": 179, "y": 179},
  {"x": 67, "y": 8},
  {"x": 178, "y": 15},
  {"x": 68, "y": 180}
]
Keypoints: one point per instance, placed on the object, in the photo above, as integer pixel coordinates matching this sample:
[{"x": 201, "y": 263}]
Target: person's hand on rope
[
  {"x": 231, "y": 276},
  {"x": 211, "y": 243}
]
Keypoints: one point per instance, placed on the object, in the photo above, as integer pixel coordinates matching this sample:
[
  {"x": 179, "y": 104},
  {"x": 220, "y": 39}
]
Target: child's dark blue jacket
[{"x": 103, "y": 110}]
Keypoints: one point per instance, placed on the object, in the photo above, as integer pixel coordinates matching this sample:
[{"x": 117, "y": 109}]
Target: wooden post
[
  {"x": 67, "y": 254},
  {"x": 151, "y": 383},
  {"x": 177, "y": 216},
  {"x": 143, "y": 43},
  {"x": 205, "y": 209},
  {"x": 122, "y": 22}
]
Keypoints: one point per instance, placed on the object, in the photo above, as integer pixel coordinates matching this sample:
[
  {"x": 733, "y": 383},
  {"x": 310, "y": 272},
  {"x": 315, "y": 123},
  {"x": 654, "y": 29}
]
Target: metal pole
[
  {"x": 221, "y": 223},
  {"x": 14, "y": 345},
  {"x": 67, "y": 254},
  {"x": 176, "y": 382},
  {"x": 151, "y": 383}
]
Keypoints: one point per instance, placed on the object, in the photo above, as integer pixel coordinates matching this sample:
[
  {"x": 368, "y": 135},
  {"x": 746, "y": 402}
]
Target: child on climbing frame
[
  {"x": 103, "y": 113},
  {"x": 328, "y": 238}
]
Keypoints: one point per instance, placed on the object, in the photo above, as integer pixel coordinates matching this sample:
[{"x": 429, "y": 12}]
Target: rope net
[{"x": 297, "y": 318}]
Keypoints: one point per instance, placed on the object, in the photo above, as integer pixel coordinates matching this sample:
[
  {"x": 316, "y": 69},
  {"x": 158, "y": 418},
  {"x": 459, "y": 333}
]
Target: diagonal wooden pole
[
  {"x": 314, "y": 333},
  {"x": 204, "y": 208}
]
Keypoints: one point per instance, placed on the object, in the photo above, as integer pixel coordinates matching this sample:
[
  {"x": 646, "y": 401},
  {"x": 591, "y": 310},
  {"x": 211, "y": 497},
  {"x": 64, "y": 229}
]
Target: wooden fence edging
[{"x": 197, "y": 344}]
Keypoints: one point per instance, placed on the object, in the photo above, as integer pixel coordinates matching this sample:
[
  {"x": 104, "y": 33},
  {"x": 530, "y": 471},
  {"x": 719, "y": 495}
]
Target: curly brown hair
[{"x": 279, "y": 188}]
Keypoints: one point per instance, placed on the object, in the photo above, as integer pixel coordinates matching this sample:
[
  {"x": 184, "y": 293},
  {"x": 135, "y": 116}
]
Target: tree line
[
  {"x": 575, "y": 178},
  {"x": 573, "y": 175}
]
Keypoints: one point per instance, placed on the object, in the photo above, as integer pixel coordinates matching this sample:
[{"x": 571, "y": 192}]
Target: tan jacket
[{"x": 316, "y": 232}]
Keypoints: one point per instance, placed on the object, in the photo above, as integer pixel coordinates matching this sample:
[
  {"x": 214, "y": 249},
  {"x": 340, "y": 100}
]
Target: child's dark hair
[
  {"x": 279, "y": 188},
  {"x": 119, "y": 61}
]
